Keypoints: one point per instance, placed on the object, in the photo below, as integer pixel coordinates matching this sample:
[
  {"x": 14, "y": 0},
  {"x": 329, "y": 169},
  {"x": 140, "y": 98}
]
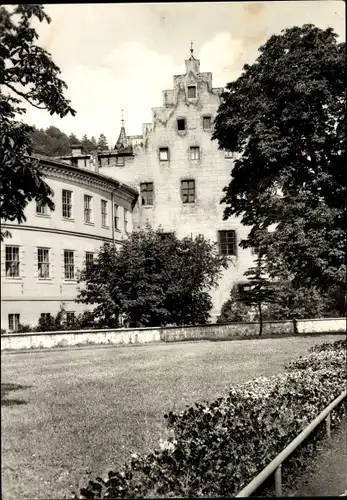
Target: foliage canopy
[
  {"x": 154, "y": 279},
  {"x": 284, "y": 118},
  {"x": 27, "y": 73}
]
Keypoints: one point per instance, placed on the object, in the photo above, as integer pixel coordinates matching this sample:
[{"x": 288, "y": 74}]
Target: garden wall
[{"x": 168, "y": 334}]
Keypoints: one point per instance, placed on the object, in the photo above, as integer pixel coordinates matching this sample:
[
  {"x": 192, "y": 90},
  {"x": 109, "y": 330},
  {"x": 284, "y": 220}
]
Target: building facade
[
  {"x": 180, "y": 173},
  {"x": 40, "y": 262}
]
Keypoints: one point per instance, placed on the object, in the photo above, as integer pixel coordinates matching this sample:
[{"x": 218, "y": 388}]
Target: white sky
[{"x": 121, "y": 56}]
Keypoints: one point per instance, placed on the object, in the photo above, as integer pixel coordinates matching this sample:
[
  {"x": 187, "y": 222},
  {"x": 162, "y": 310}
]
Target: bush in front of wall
[{"x": 216, "y": 448}]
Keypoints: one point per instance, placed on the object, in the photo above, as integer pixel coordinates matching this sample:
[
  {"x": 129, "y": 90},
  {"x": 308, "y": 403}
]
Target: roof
[{"x": 59, "y": 163}]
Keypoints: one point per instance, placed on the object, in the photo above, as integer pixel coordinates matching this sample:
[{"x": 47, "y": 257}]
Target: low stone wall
[
  {"x": 168, "y": 334},
  {"x": 322, "y": 325}
]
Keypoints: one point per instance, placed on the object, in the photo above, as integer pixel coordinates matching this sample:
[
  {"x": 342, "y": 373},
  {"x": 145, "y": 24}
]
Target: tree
[
  {"x": 73, "y": 140},
  {"x": 301, "y": 302},
  {"x": 102, "y": 143},
  {"x": 27, "y": 73},
  {"x": 284, "y": 118},
  {"x": 234, "y": 311},
  {"x": 153, "y": 280},
  {"x": 260, "y": 291},
  {"x": 89, "y": 145}
]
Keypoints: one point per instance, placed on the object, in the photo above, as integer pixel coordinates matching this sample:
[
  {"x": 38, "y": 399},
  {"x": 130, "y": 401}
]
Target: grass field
[{"x": 68, "y": 415}]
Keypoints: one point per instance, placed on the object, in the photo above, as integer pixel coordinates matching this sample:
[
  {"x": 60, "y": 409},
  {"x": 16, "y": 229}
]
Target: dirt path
[{"x": 327, "y": 475}]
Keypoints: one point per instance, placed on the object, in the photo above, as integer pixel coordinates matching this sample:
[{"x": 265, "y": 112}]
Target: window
[
  {"x": 195, "y": 153},
  {"x": 227, "y": 242},
  {"x": 46, "y": 320},
  {"x": 146, "y": 189},
  {"x": 206, "y": 122},
  {"x": 192, "y": 92},
  {"x": 88, "y": 211},
  {"x": 70, "y": 318},
  {"x": 229, "y": 155},
  {"x": 188, "y": 191},
  {"x": 166, "y": 235},
  {"x": 125, "y": 220},
  {"x": 89, "y": 259},
  {"x": 164, "y": 154},
  {"x": 41, "y": 209},
  {"x": 69, "y": 266},
  {"x": 104, "y": 218},
  {"x": 12, "y": 262},
  {"x": 67, "y": 204},
  {"x": 43, "y": 262},
  {"x": 116, "y": 217},
  {"x": 13, "y": 322},
  {"x": 243, "y": 287},
  {"x": 120, "y": 161},
  {"x": 181, "y": 124}
]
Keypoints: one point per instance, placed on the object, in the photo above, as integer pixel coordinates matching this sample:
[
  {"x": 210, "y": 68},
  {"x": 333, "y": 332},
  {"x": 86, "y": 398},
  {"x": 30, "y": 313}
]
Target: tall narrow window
[
  {"x": 70, "y": 318},
  {"x": 146, "y": 189},
  {"x": 116, "y": 217},
  {"x": 45, "y": 317},
  {"x": 88, "y": 210},
  {"x": 69, "y": 264},
  {"x": 181, "y": 124},
  {"x": 206, "y": 122},
  {"x": 104, "y": 216},
  {"x": 13, "y": 322},
  {"x": 192, "y": 92},
  {"x": 227, "y": 242},
  {"x": 67, "y": 204},
  {"x": 195, "y": 153},
  {"x": 125, "y": 220},
  {"x": 12, "y": 262},
  {"x": 164, "y": 154},
  {"x": 43, "y": 262},
  {"x": 89, "y": 259},
  {"x": 188, "y": 191},
  {"x": 41, "y": 209}
]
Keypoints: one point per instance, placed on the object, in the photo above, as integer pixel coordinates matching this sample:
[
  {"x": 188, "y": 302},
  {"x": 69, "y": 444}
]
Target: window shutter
[
  {"x": 22, "y": 264},
  {"x": 51, "y": 264},
  {"x": 62, "y": 274},
  {"x": 36, "y": 260}
]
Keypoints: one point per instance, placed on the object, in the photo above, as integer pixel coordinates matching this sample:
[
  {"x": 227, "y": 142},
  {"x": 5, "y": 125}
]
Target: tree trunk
[{"x": 260, "y": 318}]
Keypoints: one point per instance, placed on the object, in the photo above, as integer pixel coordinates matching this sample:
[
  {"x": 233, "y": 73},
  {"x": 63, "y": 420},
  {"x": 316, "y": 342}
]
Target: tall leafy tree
[
  {"x": 73, "y": 140},
  {"x": 27, "y": 74},
  {"x": 260, "y": 291},
  {"x": 88, "y": 144},
  {"x": 284, "y": 118},
  {"x": 102, "y": 142},
  {"x": 153, "y": 280}
]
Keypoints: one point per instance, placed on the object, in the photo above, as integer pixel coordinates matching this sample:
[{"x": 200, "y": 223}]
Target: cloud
[
  {"x": 224, "y": 57},
  {"x": 129, "y": 77}
]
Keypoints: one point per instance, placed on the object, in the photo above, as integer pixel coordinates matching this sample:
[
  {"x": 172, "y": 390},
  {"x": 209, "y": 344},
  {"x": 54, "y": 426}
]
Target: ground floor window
[
  {"x": 70, "y": 318},
  {"x": 13, "y": 322}
]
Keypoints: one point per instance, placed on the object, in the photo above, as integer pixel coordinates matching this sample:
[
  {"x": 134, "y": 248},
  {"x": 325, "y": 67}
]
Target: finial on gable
[{"x": 191, "y": 51}]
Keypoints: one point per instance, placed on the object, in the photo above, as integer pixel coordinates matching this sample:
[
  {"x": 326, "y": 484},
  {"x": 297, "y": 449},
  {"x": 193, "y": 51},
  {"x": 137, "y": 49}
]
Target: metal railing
[{"x": 275, "y": 466}]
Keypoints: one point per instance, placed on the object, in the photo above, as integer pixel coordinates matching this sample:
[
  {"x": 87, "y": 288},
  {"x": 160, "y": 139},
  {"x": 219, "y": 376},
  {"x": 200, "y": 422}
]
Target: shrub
[
  {"x": 216, "y": 448},
  {"x": 24, "y": 329},
  {"x": 330, "y": 346}
]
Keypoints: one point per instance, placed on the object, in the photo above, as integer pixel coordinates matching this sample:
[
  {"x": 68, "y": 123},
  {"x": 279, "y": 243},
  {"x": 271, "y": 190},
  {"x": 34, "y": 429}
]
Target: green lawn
[{"x": 72, "y": 414}]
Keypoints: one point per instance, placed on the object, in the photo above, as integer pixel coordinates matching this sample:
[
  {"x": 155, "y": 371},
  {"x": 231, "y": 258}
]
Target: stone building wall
[{"x": 211, "y": 172}]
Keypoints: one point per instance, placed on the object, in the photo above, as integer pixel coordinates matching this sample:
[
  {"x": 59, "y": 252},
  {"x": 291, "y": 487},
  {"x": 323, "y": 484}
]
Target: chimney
[{"x": 76, "y": 150}]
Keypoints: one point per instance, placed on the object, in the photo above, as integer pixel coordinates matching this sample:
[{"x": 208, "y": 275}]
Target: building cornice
[
  {"x": 24, "y": 227},
  {"x": 60, "y": 170}
]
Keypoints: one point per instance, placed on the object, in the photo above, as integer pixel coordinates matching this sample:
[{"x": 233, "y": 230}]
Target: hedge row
[{"x": 215, "y": 449}]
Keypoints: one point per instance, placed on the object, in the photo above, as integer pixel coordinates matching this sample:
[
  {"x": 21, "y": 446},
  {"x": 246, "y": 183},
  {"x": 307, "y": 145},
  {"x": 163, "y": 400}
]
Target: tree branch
[{"x": 24, "y": 96}]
